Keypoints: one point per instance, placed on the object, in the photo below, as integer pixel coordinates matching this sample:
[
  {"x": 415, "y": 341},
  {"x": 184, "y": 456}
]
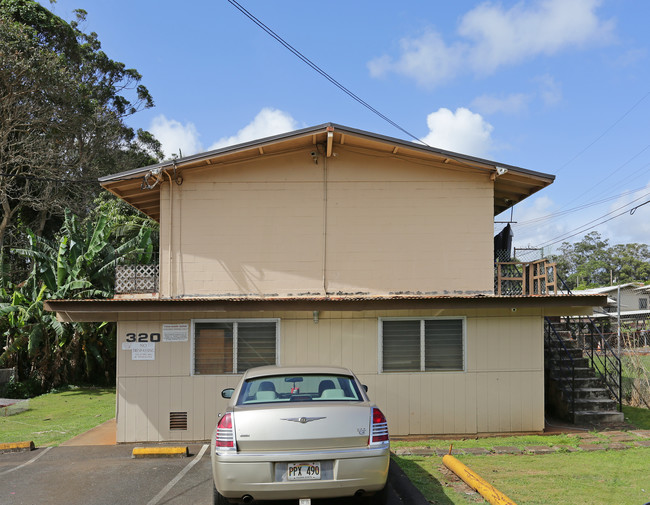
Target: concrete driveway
[{"x": 101, "y": 475}]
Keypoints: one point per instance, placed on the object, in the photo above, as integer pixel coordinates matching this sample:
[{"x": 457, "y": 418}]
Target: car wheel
[{"x": 218, "y": 498}]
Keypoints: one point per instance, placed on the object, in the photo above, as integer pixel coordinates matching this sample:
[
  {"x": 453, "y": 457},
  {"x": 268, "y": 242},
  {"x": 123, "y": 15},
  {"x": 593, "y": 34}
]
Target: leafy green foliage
[
  {"x": 68, "y": 102},
  {"x": 63, "y": 104},
  {"x": 593, "y": 262},
  {"x": 80, "y": 263}
]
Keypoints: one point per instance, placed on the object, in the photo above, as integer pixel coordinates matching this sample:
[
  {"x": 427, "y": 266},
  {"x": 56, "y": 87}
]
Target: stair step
[
  {"x": 565, "y": 373},
  {"x": 595, "y": 393},
  {"x": 561, "y": 352},
  {"x": 598, "y": 417},
  {"x": 563, "y": 362},
  {"x": 595, "y": 404},
  {"x": 580, "y": 382}
]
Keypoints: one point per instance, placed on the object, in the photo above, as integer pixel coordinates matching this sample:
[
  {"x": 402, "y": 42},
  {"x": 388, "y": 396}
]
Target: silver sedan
[{"x": 299, "y": 433}]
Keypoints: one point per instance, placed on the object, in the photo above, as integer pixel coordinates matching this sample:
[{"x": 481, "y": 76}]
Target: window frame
[
  {"x": 380, "y": 343},
  {"x": 235, "y": 342}
]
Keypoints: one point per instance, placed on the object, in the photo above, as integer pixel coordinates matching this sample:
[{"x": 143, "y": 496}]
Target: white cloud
[
  {"x": 504, "y": 37},
  {"x": 532, "y": 228},
  {"x": 549, "y": 90},
  {"x": 540, "y": 220},
  {"x": 491, "y": 36},
  {"x": 511, "y": 104},
  {"x": 427, "y": 60},
  {"x": 268, "y": 122},
  {"x": 629, "y": 227},
  {"x": 462, "y": 131},
  {"x": 175, "y": 136}
]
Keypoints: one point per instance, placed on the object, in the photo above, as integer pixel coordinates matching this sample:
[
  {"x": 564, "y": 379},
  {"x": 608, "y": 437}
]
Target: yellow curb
[
  {"x": 159, "y": 452},
  {"x": 475, "y": 481},
  {"x": 17, "y": 446}
]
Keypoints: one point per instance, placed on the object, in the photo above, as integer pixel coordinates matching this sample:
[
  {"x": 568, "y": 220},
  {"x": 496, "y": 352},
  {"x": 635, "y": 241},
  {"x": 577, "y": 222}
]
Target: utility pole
[{"x": 618, "y": 304}]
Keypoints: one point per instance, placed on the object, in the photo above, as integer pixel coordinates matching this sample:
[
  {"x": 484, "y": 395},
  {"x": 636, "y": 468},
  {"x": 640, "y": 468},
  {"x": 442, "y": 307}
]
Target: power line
[
  {"x": 315, "y": 67},
  {"x": 585, "y": 227},
  {"x": 607, "y": 130},
  {"x": 530, "y": 222}
]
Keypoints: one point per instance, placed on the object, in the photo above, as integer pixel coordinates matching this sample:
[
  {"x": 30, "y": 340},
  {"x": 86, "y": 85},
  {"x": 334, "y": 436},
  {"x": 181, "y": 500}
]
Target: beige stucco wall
[
  {"x": 501, "y": 390},
  {"x": 379, "y": 224}
]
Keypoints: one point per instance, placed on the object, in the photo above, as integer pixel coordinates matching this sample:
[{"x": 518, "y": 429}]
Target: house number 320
[{"x": 143, "y": 337}]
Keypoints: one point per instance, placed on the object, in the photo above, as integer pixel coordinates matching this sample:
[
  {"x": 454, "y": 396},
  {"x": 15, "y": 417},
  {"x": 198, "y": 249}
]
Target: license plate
[{"x": 304, "y": 471}]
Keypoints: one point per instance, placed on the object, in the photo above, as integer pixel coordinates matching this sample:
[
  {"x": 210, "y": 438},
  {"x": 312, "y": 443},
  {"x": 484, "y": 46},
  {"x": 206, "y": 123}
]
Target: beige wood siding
[
  {"x": 501, "y": 390},
  {"x": 380, "y": 224}
]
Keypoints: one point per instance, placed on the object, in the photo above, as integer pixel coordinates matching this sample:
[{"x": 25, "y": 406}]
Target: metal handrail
[
  {"x": 613, "y": 382},
  {"x": 551, "y": 332}
]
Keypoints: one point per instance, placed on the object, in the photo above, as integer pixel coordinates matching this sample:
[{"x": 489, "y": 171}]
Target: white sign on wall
[
  {"x": 140, "y": 350},
  {"x": 143, "y": 351},
  {"x": 175, "y": 332}
]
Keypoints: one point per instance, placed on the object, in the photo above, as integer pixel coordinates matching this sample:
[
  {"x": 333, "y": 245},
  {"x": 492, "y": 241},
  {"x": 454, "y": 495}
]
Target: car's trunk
[{"x": 298, "y": 427}]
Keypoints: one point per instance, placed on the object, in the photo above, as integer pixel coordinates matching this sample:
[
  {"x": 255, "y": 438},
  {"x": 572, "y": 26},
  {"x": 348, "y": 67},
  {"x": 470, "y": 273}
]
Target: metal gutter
[{"x": 323, "y": 128}]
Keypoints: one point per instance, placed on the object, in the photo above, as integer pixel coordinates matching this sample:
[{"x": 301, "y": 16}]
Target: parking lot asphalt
[{"x": 101, "y": 475}]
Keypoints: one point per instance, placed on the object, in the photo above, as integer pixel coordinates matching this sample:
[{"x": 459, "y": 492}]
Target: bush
[{"x": 19, "y": 390}]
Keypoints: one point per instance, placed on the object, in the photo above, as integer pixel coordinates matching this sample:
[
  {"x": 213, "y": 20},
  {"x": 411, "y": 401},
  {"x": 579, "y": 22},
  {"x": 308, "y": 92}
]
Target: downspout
[
  {"x": 171, "y": 227},
  {"x": 325, "y": 226},
  {"x": 328, "y": 153}
]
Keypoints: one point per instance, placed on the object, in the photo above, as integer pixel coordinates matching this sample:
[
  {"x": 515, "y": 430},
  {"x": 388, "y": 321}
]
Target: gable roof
[{"x": 139, "y": 188}]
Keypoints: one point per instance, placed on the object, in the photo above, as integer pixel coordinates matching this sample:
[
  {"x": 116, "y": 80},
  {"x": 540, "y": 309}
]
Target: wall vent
[{"x": 178, "y": 420}]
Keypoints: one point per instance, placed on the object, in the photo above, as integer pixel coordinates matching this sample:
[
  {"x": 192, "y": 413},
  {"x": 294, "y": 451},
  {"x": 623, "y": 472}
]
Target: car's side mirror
[
  {"x": 227, "y": 393},
  {"x": 365, "y": 388}
]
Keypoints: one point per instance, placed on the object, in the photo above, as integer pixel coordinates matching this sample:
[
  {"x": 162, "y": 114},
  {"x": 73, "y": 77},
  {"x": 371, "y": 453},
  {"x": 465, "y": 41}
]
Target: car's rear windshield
[{"x": 299, "y": 388}]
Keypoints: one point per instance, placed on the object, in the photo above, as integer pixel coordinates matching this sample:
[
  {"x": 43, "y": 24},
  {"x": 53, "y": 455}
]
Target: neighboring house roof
[
  {"x": 625, "y": 314},
  {"x": 607, "y": 289},
  {"x": 511, "y": 184}
]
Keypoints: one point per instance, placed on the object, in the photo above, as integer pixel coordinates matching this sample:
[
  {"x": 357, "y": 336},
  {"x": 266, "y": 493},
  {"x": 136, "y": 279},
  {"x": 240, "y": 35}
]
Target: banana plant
[{"x": 80, "y": 263}]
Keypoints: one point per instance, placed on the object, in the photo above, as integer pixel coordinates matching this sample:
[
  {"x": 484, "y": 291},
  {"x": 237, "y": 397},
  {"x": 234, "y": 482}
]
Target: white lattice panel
[{"x": 136, "y": 279}]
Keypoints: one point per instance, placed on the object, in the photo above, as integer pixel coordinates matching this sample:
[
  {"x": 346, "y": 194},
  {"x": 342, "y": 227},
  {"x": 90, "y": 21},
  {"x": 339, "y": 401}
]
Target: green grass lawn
[
  {"x": 638, "y": 417},
  {"x": 561, "y": 478},
  {"x": 579, "y": 478},
  {"x": 56, "y": 417}
]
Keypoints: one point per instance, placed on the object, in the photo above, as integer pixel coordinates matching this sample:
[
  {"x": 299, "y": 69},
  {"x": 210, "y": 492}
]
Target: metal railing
[
  {"x": 602, "y": 358},
  {"x": 555, "y": 347}
]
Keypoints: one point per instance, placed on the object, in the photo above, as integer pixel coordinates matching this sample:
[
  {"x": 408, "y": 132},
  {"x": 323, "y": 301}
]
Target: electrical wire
[
  {"x": 585, "y": 227},
  {"x": 536, "y": 220},
  {"x": 607, "y": 130},
  {"x": 315, "y": 67}
]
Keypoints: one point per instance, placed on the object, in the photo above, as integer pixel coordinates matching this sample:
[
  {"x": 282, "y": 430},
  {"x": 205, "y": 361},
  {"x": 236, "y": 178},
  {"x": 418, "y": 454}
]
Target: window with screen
[
  {"x": 226, "y": 347},
  {"x": 422, "y": 345}
]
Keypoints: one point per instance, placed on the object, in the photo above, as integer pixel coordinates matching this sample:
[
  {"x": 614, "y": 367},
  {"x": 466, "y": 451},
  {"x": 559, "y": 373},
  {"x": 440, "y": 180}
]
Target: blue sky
[{"x": 556, "y": 86}]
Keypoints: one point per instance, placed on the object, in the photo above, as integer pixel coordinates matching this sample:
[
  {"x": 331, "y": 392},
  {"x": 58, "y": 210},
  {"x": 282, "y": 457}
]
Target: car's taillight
[
  {"x": 379, "y": 428},
  {"x": 225, "y": 436}
]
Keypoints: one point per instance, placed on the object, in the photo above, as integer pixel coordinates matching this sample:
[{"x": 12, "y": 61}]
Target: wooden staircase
[{"x": 574, "y": 390}]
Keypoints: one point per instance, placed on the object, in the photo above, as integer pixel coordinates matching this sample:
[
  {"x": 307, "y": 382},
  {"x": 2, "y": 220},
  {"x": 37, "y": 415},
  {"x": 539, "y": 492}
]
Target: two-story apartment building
[{"x": 329, "y": 245}]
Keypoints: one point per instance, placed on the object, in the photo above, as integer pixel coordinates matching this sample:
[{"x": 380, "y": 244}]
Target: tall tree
[
  {"x": 593, "y": 262},
  {"x": 64, "y": 106}
]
